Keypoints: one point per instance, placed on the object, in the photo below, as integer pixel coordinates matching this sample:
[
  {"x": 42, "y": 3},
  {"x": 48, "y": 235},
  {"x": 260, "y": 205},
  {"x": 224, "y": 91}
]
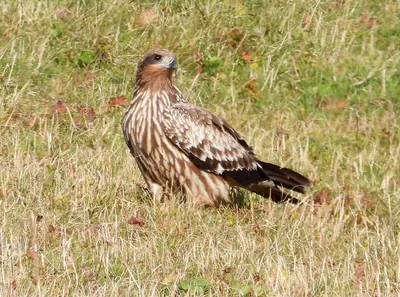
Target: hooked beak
[{"x": 173, "y": 65}]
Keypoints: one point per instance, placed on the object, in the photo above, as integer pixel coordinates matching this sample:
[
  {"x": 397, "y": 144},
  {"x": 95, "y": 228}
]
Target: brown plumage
[{"x": 181, "y": 148}]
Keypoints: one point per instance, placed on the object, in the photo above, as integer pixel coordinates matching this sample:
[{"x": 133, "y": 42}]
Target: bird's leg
[{"x": 156, "y": 190}]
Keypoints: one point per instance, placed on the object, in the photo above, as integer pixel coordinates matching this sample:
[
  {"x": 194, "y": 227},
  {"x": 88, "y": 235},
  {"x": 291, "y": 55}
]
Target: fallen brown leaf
[
  {"x": 31, "y": 254},
  {"x": 88, "y": 273},
  {"x": 235, "y": 36},
  {"x": 89, "y": 75},
  {"x": 136, "y": 220},
  {"x": 59, "y": 107},
  {"x": 359, "y": 269},
  {"x": 79, "y": 82},
  {"x": 251, "y": 84},
  {"x": 14, "y": 285},
  {"x": 333, "y": 104},
  {"x": 119, "y": 101},
  {"x": 322, "y": 197},
  {"x": 247, "y": 56},
  {"x": 255, "y": 228},
  {"x": 256, "y": 277},
  {"x": 147, "y": 17},
  {"x": 386, "y": 132},
  {"x": 103, "y": 45},
  {"x": 367, "y": 201},
  {"x": 370, "y": 22},
  {"x": 86, "y": 113},
  {"x": 336, "y": 4}
]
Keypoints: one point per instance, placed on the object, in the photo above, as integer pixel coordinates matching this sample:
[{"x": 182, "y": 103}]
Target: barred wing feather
[
  {"x": 214, "y": 146},
  {"x": 209, "y": 141}
]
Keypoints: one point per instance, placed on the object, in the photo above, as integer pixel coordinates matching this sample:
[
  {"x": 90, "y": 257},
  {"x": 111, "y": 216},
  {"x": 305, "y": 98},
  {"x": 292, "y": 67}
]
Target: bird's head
[{"x": 156, "y": 65}]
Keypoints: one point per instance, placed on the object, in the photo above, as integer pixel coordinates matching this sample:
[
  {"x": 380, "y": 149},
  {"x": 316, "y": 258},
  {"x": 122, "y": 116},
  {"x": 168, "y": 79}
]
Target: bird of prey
[{"x": 184, "y": 149}]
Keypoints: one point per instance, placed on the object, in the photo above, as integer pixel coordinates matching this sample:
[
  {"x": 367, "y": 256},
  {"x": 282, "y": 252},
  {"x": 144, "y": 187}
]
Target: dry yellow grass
[{"x": 311, "y": 85}]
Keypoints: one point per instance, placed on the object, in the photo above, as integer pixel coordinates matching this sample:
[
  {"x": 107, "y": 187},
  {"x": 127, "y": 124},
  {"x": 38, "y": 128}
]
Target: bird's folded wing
[{"x": 209, "y": 141}]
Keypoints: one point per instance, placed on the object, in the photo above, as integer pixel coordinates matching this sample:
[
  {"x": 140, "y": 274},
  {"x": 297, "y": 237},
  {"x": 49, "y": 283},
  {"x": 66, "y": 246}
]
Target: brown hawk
[{"x": 181, "y": 148}]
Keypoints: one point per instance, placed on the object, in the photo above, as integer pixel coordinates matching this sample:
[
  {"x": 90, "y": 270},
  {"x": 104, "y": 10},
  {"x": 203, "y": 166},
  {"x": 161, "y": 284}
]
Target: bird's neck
[
  {"x": 154, "y": 78},
  {"x": 158, "y": 88}
]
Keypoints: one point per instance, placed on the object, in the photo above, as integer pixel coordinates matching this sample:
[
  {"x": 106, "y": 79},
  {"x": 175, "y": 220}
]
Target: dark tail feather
[
  {"x": 285, "y": 177},
  {"x": 275, "y": 194}
]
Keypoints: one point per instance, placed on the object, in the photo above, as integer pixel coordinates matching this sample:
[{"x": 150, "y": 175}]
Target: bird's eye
[{"x": 157, "y": 57}]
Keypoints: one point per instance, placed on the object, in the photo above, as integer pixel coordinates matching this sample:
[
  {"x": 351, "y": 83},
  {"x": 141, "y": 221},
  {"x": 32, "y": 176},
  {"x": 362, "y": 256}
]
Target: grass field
[{"x": 312, "y": 85}]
